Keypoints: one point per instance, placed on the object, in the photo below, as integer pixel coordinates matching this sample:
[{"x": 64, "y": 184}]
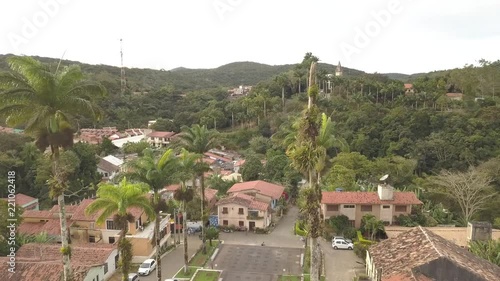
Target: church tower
[{"x": 338, "y": 70}]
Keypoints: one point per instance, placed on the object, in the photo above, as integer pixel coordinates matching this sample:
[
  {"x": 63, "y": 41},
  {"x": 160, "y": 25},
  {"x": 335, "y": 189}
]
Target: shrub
[
  {"x": 350, "y": 233},
  {"x": 259, "y": 230},
  {"x": 300, "y": 229},
  {"x": 360, "y": 249},
  {"x": 362, "y": 240}
]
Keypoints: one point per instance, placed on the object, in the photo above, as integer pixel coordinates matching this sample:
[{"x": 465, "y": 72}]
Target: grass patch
[
  {"x": 307, "y": 277},
  {"x": 189, "y": 274},
  {"x": 205, "y": 275},
  {"x": 289, "y": 278},
  {"x": 200, "y": 259}
]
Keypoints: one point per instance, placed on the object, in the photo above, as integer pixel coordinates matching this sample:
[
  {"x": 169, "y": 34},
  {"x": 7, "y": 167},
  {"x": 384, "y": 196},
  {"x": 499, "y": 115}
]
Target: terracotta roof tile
[
  {"x": 348, "y": 197},
  {"x": 172, "y": 187},
  {"x": 40, "y": 271},
  {"x": 270, "y": 189},
  {"x": 51, "y": 227},
  {"x": 244, "y": 200},
  {"x": 210, "y": 194},
  {"x": 107, "y": 166},
  {"x": 159, "y": 134},
  {"x": 410, "y": 252},
  {"x": 89, "y": 254},
  {"x": 22, "y": 199},
  {"x": 38, "y": 214}
]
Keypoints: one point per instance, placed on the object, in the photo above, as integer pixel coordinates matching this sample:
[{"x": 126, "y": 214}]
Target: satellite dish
[{"x": 384, "y": 177}]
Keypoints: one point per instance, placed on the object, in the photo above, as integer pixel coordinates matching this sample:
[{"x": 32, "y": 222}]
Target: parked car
[
  {"x": 341, "y": 238},
  {"x": 342, "y": 244},
  {"x": 147, "y": 267},
  {"x": 133, "y": 277}
]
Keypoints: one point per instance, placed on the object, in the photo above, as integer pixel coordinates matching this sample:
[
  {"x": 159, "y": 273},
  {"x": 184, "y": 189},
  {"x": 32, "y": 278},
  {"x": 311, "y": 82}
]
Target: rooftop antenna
[{"x": 123, "y": 82}]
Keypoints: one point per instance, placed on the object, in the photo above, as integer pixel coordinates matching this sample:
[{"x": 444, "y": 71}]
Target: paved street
[{"x": 174, "y": 260}]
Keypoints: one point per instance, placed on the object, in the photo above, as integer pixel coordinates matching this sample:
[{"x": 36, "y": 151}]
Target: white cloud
[{"x": 426, "y": 35}]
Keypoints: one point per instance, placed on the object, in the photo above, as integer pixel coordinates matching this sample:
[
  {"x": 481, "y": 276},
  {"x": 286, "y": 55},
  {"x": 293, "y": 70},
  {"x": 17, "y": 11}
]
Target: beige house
[
  {"x": 160, "y": 139},
  {"x": 244, "y": 211},
  {"x": 421, "y": 255},
  {"x": 261, "y": 190},
  {"x": 385, "y": 204}
]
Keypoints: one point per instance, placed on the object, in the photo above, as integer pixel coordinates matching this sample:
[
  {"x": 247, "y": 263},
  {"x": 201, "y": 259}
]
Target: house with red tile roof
[
  {"x": 421, "y": 255},
  {"x": 385, "y": 204},
  {"x": 455, "y": 96},
  {"x": 160, "y": 139},
  {"x": 26, "y": 202},
  {"x": 244, "y": 210},
  {"x": 262, "y": 190},
  {"x": 43, "y": 262}
]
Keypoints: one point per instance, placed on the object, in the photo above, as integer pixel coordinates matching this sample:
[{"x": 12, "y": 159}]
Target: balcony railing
[{"x": 254, "y": 217}]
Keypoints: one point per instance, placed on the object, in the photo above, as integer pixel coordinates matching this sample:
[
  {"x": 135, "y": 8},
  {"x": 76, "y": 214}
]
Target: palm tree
[
  {"x": 117, "y": 200},
  {"x": 199, "y": 140},
  {"x": 156, "y": 173},
  {"x": 283, "y": 81},
  {"x": 187, "y": 166},
  {"x": 305, "y": 156},
  {"x": 46, "y": 103}
]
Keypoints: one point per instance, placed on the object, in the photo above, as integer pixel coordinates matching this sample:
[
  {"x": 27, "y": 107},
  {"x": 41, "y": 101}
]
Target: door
[{"x": 251, "y": 225}]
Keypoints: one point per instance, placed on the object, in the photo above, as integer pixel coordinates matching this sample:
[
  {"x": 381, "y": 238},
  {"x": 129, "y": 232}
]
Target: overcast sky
[{"x": 406, "y": 36}]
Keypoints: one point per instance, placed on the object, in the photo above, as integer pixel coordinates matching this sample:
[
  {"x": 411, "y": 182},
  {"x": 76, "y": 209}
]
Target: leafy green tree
[
  {"x": 252, "y": 169},
  {"x": 165, "y": 125},
  {"x": 107, "y": 147},
  {"x": 45, "y": 102},
  {"x": 339, "y": 223},
  {"x": 260, "y": 144},
  {"x": 117, "y": 200},
  {"x": 199, "y": 140},
  {"x": 155, "y": 172},
  {"x": 135, "y": 147},
  {"x": 212, "y": 234},
  {"x": 5, "y": 230}
]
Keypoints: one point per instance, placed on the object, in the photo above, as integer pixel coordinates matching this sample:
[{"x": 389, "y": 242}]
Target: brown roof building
[
  {"x": 271, "y": 190},
  {"x": 420, "y": 255}
]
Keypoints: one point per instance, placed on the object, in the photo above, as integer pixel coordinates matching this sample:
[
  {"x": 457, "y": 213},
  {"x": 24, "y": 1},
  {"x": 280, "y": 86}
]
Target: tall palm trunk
[
  {"x": 203, "y": 216},
  {"x": 157, "y": 235},
  {"x": 66, "y": 251},
  {"x": 124, "y": 226},
  {"x": 184, "y": 233},
  {"x": 314, "y": 222}
]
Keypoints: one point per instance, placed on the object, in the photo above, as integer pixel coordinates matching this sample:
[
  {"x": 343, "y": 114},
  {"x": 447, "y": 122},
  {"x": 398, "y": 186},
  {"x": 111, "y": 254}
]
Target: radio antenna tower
[{"x": 123, "y": 82}]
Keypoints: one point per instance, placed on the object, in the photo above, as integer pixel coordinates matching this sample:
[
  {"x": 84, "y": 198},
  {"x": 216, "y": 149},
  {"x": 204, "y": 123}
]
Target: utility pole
[{"x": 123, "y": 82}]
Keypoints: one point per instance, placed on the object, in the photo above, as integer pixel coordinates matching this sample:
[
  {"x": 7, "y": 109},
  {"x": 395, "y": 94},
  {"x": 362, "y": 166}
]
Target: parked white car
[
  {"x": 147, "y": 267},
  {"x": 133, "y": 277},
  {"x": 341, "y": 238},
  {"x": 342, "y": 244}
]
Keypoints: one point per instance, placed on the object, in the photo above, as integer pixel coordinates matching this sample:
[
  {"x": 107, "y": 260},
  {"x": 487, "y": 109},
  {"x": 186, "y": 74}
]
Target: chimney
[
  {"x": 385, "y": 191},
  {"x": 478, "y": 231}
]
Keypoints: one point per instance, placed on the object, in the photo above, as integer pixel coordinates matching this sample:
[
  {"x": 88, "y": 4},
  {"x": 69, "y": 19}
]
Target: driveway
[
  {"x": 340, "y": 265},
  {"x": 281, "y": 236}
]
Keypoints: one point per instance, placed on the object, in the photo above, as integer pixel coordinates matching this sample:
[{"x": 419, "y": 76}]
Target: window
[
  {"x": 92, "y": 225},
  {"x": 111, "y": 225},
  {"x": 224, "y": 210},
  {"x": 106, "y": 268},
  {"x": 97, "y": 278},
  {"x": 332, "y": 208},
  {"x": 352, "y": 223},
  {"x": 91, "y": 239},
  {"x": 349, "y": 206},
  {"x": 366, "y": 208},
  {"x": 400, "y": 208},
  {"x": 240, "y": 211},
  {"x": 111, "y": 240},
  {"x": 241, "y": 223},
  {"x": 386, "y": 206},
  {"x": 224, "y": 222}
]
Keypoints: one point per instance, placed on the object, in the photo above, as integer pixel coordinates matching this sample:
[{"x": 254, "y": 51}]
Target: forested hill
[{"x": 184, "y": 79}]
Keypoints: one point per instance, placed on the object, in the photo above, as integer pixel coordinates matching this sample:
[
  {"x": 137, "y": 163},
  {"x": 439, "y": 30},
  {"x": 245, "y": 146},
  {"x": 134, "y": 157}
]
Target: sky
[{"x": 403, "y": 36}]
